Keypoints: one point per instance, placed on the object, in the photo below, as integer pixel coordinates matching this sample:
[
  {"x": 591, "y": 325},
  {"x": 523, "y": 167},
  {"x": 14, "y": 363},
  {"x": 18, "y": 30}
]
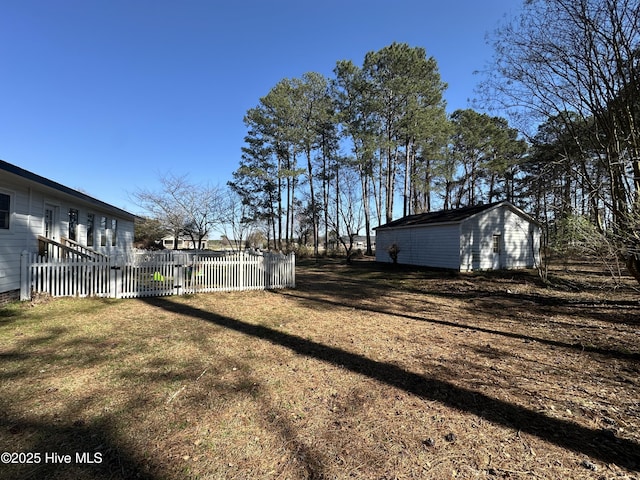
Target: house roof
[
  {"x": 20, "y": 172},
  {"x": 456, "y": 215}
]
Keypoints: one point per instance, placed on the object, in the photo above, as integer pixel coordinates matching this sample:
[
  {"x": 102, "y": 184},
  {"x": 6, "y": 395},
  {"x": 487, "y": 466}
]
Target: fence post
[
  {"x": 178, "y": 273},
  {"x": 115, "y": 279},
  {"x": 25, "y": 276}
]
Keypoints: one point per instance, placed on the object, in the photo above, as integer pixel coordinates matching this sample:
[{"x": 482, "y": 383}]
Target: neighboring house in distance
[
  {"x": 359, "y": 243},
  {"x": 40, "y": 215},
  {"x": 185, "y": 242},
  {"x": 483, "y": 237}
]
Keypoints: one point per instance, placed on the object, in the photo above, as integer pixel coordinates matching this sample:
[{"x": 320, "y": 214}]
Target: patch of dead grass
[{"x": 360, "y": 372}]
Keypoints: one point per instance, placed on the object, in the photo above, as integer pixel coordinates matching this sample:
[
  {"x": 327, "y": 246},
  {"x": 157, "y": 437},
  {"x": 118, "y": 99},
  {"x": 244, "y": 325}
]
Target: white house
[
  {"x": 185, "y": 242},
  {"x": 359, "y": 242},
  {"x": 483, "y": 237},
  {"x": 40, "y": 215}
]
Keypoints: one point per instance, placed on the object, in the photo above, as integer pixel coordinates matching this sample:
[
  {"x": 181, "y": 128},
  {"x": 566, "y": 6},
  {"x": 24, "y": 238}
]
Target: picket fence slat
[
  {"x": 68, "y": 277},
  {"x": 144, "y": 275}
]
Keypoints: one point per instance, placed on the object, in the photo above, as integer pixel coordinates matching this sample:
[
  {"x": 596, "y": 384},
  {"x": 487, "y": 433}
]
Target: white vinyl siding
[
  {"x": 496, "y": 238},
  {"x": 513, "y": 232},
  {"x": 27, "y": 220},
  {"x": 433, "y": 245},
  {"x": 12, "y": 240},
  {"x": 521, "y": 242}
]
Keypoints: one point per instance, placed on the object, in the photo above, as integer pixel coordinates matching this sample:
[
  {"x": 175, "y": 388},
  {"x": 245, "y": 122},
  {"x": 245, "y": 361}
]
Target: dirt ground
[
  {"x": 363, "y": 371},
  {"x": 556, "y": 365}
]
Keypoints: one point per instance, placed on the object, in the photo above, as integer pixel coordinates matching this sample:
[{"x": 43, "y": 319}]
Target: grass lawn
[{"x": 360, "y": 372}]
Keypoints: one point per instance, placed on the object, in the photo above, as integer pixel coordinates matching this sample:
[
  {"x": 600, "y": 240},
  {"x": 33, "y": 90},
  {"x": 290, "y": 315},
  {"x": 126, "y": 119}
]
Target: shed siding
[
  {"x": 519, "y": 241},
  {"x": 498, "y": 237},
  {"x": 430, "y": 245},
  {"x": 27, "y": 222}
]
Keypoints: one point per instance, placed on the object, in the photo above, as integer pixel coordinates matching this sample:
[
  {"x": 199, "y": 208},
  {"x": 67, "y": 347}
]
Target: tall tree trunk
[
  {"x": 288, "y": 213},
  {"x": 492, "y": 186},
  {"x": 390, "y": 183},
  {"x": 278, "y": 239},
  {"x": 633, "y": 266},
  {"x": 378, "y": 196},
  {"x": 337, "y": 223},
  {"x": 293, "y": 202},
  {"x": 314, "y": 216},
  {"x": 406, "y": 207},
  {"x": 325, "y": 196},
  {"x": 364, "y": 180}
]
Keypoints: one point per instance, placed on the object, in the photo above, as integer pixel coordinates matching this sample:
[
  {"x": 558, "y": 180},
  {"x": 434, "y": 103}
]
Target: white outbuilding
[{"x": 482, "y": 237}]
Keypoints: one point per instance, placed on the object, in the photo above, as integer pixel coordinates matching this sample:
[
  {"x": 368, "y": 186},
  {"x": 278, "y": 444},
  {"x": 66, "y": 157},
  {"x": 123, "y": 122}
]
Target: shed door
[{"x": 496, "y": 252}]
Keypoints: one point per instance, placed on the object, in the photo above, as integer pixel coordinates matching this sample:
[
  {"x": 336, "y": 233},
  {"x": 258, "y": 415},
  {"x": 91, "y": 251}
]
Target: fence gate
[{"x": 148, "y": 276}]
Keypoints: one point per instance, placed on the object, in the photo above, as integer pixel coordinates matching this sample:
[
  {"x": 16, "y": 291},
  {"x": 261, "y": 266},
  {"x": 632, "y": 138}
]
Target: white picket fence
[{"x": 143, "y": 275}]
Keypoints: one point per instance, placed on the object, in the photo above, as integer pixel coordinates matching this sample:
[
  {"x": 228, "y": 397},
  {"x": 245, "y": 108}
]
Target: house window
[
  {"x": 91, "y": 220},
  {"x": 103, "y": 231},
  {"x": 5, "y": 211},
  {"x": 496, "y": 243},
  {"x": 114, "y": 231},
  {"x": 73, "y": 224}
]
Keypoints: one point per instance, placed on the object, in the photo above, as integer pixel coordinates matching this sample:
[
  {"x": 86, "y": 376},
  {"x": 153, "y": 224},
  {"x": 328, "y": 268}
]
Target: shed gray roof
[
  {"x": 448, "y": 216},
  {"x": 20, "y": 172}
]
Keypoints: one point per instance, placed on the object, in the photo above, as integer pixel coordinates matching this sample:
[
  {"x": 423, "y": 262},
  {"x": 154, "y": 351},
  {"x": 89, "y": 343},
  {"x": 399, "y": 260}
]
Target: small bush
[{"x": 393, "y": 252}]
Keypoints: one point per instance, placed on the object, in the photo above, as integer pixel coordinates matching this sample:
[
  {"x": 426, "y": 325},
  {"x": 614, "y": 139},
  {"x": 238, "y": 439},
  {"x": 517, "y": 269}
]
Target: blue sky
[{"x": 107, "y": 95}]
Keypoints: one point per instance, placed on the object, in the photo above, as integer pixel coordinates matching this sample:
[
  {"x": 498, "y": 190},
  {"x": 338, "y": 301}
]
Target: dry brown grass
[{"x": 360, "y": 372}]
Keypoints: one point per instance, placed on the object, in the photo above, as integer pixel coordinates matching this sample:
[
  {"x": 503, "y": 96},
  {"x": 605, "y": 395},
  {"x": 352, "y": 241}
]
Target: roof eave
[
  {"x": 59, "y": 188},
  {"x": 413, "y": 225},
  {"x": 503, "y": 203}
]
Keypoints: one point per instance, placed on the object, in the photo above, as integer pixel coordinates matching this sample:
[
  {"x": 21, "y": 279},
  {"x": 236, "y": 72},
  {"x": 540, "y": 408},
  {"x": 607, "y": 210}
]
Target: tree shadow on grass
[
  {"x": 597, "y": 444},
  {"x": 8, "y": 314},
  {"x": 83, "y": 451},
  {"x": 62, "y": 445},
  {"x": 623, "y": 355},
  {"x": 490, "y": 291},
  {"x": 348, "y": 288},
  {"x": 309, "y": 459}
]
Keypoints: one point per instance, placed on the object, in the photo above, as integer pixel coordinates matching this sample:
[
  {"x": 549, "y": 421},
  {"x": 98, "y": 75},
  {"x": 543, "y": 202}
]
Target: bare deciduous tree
[
  {"x": 236, "y": 224},
  {"x": 347, "y": 215},
  {"x": 183, "y": 207},
  {"x": 580, "y": 57}
]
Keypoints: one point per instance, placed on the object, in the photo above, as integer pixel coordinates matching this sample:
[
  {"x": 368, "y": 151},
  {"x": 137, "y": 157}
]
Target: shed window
[
  {"x": 496, "y": 243},
  {"x": 5, "y": 211}
]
